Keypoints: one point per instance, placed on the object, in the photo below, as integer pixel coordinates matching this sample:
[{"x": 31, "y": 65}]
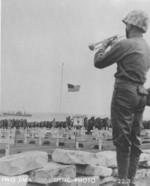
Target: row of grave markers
[
  {"x": 54, "y": 133},
  {"x": 8, "y": 136}
]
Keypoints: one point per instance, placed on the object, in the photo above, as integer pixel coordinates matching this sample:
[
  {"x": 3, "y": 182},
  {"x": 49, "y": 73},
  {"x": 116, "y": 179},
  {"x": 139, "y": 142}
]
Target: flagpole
[{"x": 61, "y": 87}]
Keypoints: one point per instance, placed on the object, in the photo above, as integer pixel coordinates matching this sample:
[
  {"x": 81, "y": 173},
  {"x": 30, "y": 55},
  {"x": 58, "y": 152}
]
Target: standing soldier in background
[{"x": 132, "y": 56}]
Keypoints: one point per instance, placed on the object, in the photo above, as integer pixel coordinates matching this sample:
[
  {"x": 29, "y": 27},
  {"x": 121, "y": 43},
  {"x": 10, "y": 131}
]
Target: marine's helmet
[{"x": 137, "y": 18}]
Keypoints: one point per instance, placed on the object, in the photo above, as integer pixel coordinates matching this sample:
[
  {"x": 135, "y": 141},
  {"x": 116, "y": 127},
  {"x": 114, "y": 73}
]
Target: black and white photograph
[{"x": 75, "y": 93}]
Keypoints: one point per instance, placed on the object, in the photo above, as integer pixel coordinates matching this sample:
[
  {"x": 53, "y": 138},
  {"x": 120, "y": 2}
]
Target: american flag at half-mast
[{"x": 73, "y": 88}]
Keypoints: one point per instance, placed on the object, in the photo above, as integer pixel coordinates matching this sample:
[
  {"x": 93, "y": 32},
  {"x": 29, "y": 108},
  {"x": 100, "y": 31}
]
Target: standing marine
[{"x": 132, "y": 56}]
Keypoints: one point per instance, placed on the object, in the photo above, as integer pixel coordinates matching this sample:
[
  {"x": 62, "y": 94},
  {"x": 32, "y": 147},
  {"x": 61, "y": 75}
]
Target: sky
[{"x": 39, "y": 36}]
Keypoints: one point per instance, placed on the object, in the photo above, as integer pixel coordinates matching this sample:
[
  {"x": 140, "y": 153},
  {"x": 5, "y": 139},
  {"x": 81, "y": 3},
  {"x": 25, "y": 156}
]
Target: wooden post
[
  {"x": 40, "y": 137},
  {"x": 32, "y": 133},
  {"x": 76, "y": 142},
  {"x": 100, "y": 138},
  {"x": 7, "y": 147},
  {"x": 57, "y": 142},
  {"x": 25, "y": 136},
  {"x": 57, "y": 138}
]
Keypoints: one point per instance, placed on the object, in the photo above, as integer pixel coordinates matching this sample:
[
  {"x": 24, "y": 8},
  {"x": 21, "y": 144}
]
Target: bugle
[{"x": 110, "y": 39}]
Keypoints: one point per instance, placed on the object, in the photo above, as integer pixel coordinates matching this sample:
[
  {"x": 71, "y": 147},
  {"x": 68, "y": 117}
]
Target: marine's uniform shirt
[{"x": 132, "y": 56}]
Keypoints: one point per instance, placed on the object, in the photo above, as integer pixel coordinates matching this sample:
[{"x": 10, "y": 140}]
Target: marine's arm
[{"x": 104, "y": 59}]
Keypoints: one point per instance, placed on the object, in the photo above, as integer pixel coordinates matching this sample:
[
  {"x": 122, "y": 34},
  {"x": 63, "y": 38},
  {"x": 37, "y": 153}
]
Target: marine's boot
[
  {"x": 134, "y": 161},
  {"x": 123, "y": 159}
]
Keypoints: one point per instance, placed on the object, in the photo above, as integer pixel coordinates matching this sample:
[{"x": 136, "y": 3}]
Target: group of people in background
[
  {"x": 100, "y": 123},
  {"x": 68, "y": 123}
]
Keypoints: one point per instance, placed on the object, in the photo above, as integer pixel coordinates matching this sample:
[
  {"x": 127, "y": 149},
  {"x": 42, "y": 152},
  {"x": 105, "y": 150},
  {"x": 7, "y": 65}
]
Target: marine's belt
[{"x": 118, "y": 80}]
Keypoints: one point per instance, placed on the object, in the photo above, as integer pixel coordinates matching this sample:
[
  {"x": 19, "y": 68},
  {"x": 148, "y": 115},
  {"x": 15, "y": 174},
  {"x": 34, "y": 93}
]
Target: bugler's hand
[
  {"x": 114, "y": 42},
  {"x": 106, "y": 43}
]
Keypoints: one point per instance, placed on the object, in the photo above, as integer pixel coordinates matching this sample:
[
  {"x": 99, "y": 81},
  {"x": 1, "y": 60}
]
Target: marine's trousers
[
  {"x": 126, "y": 115},
  {"x": 134, "y": 161},
  {"x": 123, "y": 160}
]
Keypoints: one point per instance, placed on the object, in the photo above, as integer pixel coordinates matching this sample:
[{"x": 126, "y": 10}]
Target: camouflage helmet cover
[{"x": 137, "y": 18}]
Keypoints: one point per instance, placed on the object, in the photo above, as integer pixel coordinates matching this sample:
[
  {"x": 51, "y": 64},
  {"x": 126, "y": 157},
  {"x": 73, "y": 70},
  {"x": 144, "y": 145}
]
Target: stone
[
  {"x": 142, "y": 173},
  {"x": 144, "y": 164},
  {"x": 13, "y": 180},
  {"x": 51, "y": 172},
  {"x": 147, "y": 172},
  {"x": 23, "y": 162},
  {"x": 109, "y": 179},
  {"x": 147, "y": 151},
  {"x": 144, "y": 157},
  {"x": 74, "y": 157},
  {"x": 107, "y": 158},
  {"x": 104, "y": 158},
  {"x": 93, "y": 170},
  {"x": 115, "y": 172}
]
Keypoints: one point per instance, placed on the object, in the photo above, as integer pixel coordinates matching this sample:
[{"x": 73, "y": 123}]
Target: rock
[
  {"x": 74, "y": 157},
  {"x": 147, "y": 151},
  {"x": 14, "y": 181},
  {"x": 106, "y": 180},
  {"x": 52, "y": 172},
  {"x": 144, "y": 164},
  {"x": 147, "y": 172},
  {"x": 144, "y": 157},
  {"x": 115, "y": 172},
  {"x": 107, "y": 158},
  {"x": 142, "y": 173},
  {"x": 23, "y": 162},
  {"x": 93, "y": 170}
]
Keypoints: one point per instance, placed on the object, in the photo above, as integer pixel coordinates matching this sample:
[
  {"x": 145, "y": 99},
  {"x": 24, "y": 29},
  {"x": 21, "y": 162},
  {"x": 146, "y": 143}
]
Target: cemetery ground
[
  {"x": 47, "y": 140},
  {"x": 51, "y": 140},
  {"x": 77, "y": 141}
]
